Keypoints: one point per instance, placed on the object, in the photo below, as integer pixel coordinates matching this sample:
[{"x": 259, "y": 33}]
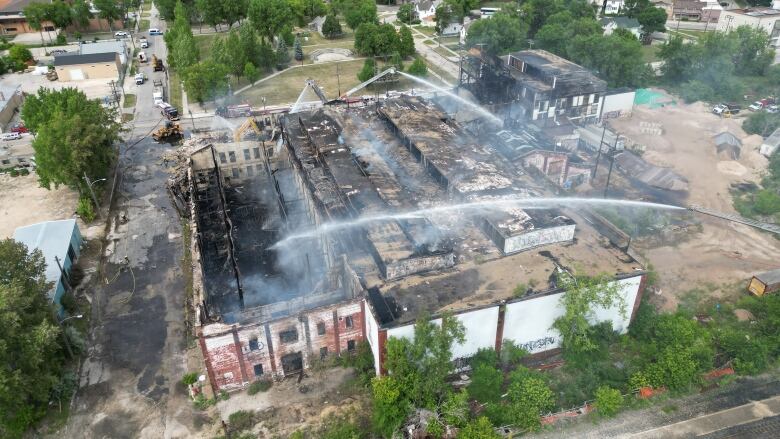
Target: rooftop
[
  {"x": 546, "y": 71},
  {"x": 769, "y": 277},
  {"x": 70, "y": 60},
  {"x": 773, "y": 139},
  {"x": 757, "y": 12},
  {"x": 621, "y": 22},
  {"x": 52, "y": 238}
]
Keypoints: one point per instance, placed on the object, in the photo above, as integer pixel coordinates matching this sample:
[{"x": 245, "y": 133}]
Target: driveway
[{"x": 130, "y": 381}]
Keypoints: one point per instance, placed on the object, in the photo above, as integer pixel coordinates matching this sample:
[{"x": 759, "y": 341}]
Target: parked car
[
  {"x": 19, "y": 128},
  {"x": 773, "y": 109},
  {"x": 11, "y": 136},
  {"x": 121, "y": 34},
  {"x": 56, "y": 52},
  {"x": 155, "y": 31},
  {"x": 142, "y": 57},
  {"x": 140, "y": 79},
  {"x": 144, "y": 43},
  {"x": 720, "y": 108},
  {"x": 755, "y": 106}
]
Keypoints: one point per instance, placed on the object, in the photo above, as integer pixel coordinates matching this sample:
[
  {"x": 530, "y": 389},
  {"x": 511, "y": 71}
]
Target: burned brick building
[
  {"x": 354, "y": 221},
  {"x": 534, "y": 86}
]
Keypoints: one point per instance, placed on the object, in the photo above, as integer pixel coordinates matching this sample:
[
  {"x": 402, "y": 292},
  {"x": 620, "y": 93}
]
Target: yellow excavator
[{"x": 250, "y": 124}]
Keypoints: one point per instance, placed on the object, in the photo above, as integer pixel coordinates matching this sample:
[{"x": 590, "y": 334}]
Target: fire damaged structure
[
  {"x": 353, "y": 222},
  {"x": 534, "y": 86}
]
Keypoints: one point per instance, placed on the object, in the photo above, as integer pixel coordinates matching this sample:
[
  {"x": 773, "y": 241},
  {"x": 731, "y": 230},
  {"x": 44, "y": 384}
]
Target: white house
[
  {"x": 613, "y": 6},
  {"x": 609, "y": 24},
  {"x": 426, "y": 10}
]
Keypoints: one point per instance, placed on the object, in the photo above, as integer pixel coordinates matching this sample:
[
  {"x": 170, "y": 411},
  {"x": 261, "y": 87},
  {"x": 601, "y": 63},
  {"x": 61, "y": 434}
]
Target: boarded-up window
[{"x": 288, "y": 336}]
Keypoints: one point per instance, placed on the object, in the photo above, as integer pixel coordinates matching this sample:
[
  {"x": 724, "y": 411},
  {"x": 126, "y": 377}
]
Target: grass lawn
[
  {"x": 175, "y": 91},
  {"x": 129, "y": 100},
  {"x": 144, "y": 25},
  {"x": 147, "y": 6},
  {"x": 425, "y": 29},
  {"x": 204, "y": 43},
  {"x": 317, "y": 38},
  {"x": 650, "y": 53},
  {"x": 446, "y": 76},
  {"x": 443, "y": 52}
]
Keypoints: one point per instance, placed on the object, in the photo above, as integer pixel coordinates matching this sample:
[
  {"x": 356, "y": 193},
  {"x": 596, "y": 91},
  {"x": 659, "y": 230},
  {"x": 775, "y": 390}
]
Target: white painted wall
[
  {"x": 527, "y": 323},
  {"x": 622, "y": 103},
  {"x": 372, "y": 334},
  {"x": 480, "y": 326}
]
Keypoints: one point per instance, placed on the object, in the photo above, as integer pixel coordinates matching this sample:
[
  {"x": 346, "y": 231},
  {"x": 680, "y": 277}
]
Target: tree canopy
[
  {"x": 75, "y": 135},
  {"x": 30, "y": 354},
  {"x": 500, "y": 34},
  {"x": 269, "y": 17},
  {"x": 358, "y": 12}
]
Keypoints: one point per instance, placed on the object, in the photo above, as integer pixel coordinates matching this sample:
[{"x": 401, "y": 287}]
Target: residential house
[
  {"x": 614, "y": 6},
  {"x": 551, "y": 88},
  {"x": 696, "y": 10},
  {"x": 92, "y": 66},
  {"x": 13, "y": 21},
  {"x": 425, "y": 10},
  {"x": 609, "y": 24},
  {"x": 764, "y": 18},
  {"x": 60, "y": 242}
]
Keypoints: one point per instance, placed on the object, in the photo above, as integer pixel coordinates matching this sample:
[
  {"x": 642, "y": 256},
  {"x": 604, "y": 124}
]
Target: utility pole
[
  {"x": 63, "y": 276},
  {"x": 192, "y": 119},
  {"x": 598, "y": 156},
  {"x": 338, "y": 82},
  {"x": 65, "y": 336},
  {"x": 92, "y": 193},
  {"x": 611, "y": 162}
]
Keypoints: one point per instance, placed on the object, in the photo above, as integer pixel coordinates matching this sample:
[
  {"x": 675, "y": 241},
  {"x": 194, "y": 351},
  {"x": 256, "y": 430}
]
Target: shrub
[
  {"x": 367, "y": 71},
  {"x": 331, "y": 28},
  {"x": 76, "y": 340},
  {"x": 85, "y": 209},
  {"x": 486, "y": 384},
  {"x": 418, "y": 68},
  {"x": 608, "y": 401},
  {"x": 484, "y": 356},
  {"x": 24, "y": 171},
  {"x": 189, "y": 378},
  {"x": 69, "y": 302},
  {"x": 241, "y": 420},
  {"x": 14, "y": 172},
  {"x": 519, "y": 290},
  {"x": 259, "y": 386}
]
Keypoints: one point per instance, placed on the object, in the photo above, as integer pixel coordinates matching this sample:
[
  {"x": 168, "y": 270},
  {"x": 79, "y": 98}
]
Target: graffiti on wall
[
  {"x": 541, "y": 344},
  {"x": 539, "y": 237}
]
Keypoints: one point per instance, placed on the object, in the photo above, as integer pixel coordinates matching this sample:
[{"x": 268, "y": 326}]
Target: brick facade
[{"x": 236, "y": 355}]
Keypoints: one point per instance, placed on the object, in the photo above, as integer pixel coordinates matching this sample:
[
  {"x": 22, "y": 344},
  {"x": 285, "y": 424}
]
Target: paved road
[{"x": 130, "y": 381}]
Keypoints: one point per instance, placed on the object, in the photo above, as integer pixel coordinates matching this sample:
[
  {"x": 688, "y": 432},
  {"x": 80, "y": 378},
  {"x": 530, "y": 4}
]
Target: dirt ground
[
  {"x": 284, "y": 409},
  {"x": 23, "y": 202},
  {"x": 723, "y": 252}
]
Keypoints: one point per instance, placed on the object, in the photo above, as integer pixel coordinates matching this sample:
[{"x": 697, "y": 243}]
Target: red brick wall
[{"x": 225, "y": 351}]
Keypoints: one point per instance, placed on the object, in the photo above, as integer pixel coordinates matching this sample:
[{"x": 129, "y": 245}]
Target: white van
[
  {"x": 11, "y": 136},
  {"x": 155, "y": 31}
]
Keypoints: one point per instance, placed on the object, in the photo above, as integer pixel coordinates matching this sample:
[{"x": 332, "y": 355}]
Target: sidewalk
[{"x": 713, "y": 422}]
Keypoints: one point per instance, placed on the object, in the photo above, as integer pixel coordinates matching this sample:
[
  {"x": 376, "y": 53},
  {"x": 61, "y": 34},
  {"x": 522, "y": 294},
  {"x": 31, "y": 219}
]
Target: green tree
[
  {"x": 679, "y": 59},
  {"x": 390, "y": 407},
  {"x": 501, "y": 34},
  {"x": 82, "y": 13},
  {"x": 461, "y": 8},
  {"x": 306, "y": 10},
  {"x": 529, "y": 397},
  {"x": 609, "y": 401},
  {"x": 579, "y": 301},
  {"x": 615, "y": 58},
  {"x": 166, "y": 8},
  {"x": 480, "y": 428},
  {"x": 251, "y": 73},
  {"x": 109, "y": 11},
  {"x": 237, "y": 58},
  {"x": 406, "y": 43},
  {"x": 75, "y": 136},
  {"x": 443, "y": 17},
  {"x": 405, "y": 13},
  {"x": 60, "y": 13},
  {"x": 359, "y": 12},
  {"x": 486, "y": 382},
  {"x": 364, "y": 39},
  {"x": 35, "y": 14},
  {"x": 19, "y": 56},
  {"x": 368, "y": 70},
  {"x": 30, "y": 355},
  {"x": 282, "y": 55},
  {"x": 269, "y": 17},
  {"x": 418, "y": 68},
  {"x": 652, "y": 20},
  {"x": 766, "y": 202},
  {"x": 205, "y": 81},
  {"x": 298, "y": 49},
  {"x": 247, "y": 39},
  {"x": 331, "y": 28},
  {"x": 210, "y": 12},
  {"x": 754, "y": 55},
  {"x": 749, "y": 351}
]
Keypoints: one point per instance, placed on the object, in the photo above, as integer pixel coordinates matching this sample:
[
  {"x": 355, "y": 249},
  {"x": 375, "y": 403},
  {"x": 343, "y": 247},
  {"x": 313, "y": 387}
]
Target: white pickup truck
[{"x": 158, "y": 93}]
